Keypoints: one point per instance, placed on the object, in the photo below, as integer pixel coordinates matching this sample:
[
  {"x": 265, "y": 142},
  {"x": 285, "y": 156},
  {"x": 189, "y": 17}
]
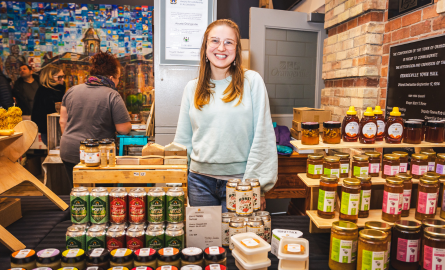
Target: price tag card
[{"x": 203, "y": 226}]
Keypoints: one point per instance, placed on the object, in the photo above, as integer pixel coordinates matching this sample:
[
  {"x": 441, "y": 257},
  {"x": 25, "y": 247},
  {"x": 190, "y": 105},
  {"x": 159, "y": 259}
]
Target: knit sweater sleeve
[{"x": 262, "y": 162}]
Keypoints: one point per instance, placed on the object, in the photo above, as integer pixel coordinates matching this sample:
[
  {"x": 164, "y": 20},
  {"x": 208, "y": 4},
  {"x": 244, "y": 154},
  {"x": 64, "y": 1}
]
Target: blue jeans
[{"x": 206, "y": 191}]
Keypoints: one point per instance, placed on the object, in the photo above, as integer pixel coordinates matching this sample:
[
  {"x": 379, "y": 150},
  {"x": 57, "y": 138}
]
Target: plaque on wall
[{"x": 398, "y": 8}]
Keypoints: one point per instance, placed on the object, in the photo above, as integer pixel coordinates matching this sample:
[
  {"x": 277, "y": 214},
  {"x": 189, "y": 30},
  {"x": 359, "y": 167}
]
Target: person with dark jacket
[
  {"x": 25, "y": 89},
  {"x": 6, "y": 100},
  {"x": 51, "y": 90}
]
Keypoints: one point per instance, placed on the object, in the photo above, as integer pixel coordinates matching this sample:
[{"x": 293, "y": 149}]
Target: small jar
[
  {"x": 406, "y": 237},
  {"x": 392, "y": 199},
  {"x": 407, "y": 191},
  {"x": 419, "y": 165},
  {"x": 372, "y": 247},
  {"x": 343, "y": 246},
  {"x": 391, "y": 165},
  {"x": 192, "y": 256},
  {"x": 49, "y": 257},
  {"x": 433, "y": 245},
  {"x": 73, "y": 258},
  {"x": 144, "y": 267},
  {"x": 145, "y": 257},
  {"x": 412, "y": 132},
  {"x": 314, "y": 167},
  {"x": 384, "y": 227},
  {"x": 326, "y": 196},
  {"x": 104, "y": 152},
  {"x": 82, "y": 151},
  {"x": 431, "y": 159},
  {"x": 25, "y": 258},
  {"x": 440, "y": 165},
  {"x": 345, "y": 163},
  {"x": 95, "y": 268},
  {"x": 169, "y": 256},
  {"x": 122, "y": 257},
  {"x": 374, "y": 163},
  {"x": 215, "y": 255},
  {"x": 365, "y": 195},
  {"x": 191, "y": 267},
  {"x": 119, "y": 268},
  {"x": 331, "y": 165},
  {"x": 350, "y": 198},
  {"x": 360, "y": 165},
  {"x": 215, "y": 267},
  {"x": 92, "y": 154},
  {"x": 98, "y": 257},
  {"x": 310, "y": 134},
  {"x": 427, "y": 196},
  {"x": 435, "y": 132},
  {"x": 111, "y": 152},
  {"x": 331, "y": 132},
  {"x": 403, "y": 156},
  {"x": 163, "y": 268},
  {"x": 423, "y": 122}
]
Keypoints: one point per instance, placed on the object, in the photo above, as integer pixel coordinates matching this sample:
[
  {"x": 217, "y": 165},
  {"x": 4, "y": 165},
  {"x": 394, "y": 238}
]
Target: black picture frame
[{"x": 397, "y": 8}]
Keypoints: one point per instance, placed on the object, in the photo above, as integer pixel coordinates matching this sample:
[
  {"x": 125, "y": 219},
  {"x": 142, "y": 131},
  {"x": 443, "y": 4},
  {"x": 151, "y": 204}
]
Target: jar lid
[
  {"x": 191, "y": 267},
  {"x": 404, "y": 176},
  {"x": 332, "y": 158},
  {"x": 94, "y": 268},
  {"x": 429, "y": 179},
  {"x": 428, "y": 153},
  {"x": 68, "y": 268},
  {"x": 368, "y": 112},
  {"x": 49, "y": 255},
  {"x": 435, "y": 232},
  {"x": 342, "y": 155},
  {"x": 143, "y": 268},
  {"x": 395, "y": 112},
  {"x": 23, "y": 256},
  {"x": 351, "y": 111},
  {"x": 377, "y": 110},
  {"x": 435, "y": 223},
  {"x": 234, "y": 180},
  {"x": 373, "y": 154},
  {"x": 419, "y": 156},
  {"x": 394, "y": 180},
  {"x": 346, "y": 226},
  {"x": 441, "y": 155},
  {"x": 92, "y": 140},
  {"x": 391, "y": 157},
  {"x": 215, "y": 254},
  {"x": 169, "y": 254},
  {"x": 310, "y": 125},
  {"x": 192, "y": 254},
  {"x": 331, "y": 124},
  {"x": 104, "y": 142},
  {"x": 378, "y": 225},
  {"x": 119, "y": 268},
  {"x": 329, "y": 178},
  {"x": 83, "y": 141},
  {"x": 92, "y": 144},
  {"x": 364, "y": 177},
  {"x": 73, "y": 255},
  {"x": 315, "y": 156},
  {"x": 361, "y": 158},
  {"x": 351, "y": 181},
  {"x": 408, "y": 225},
  {"x": 108, "y": 139},
  {"x": 438, "y": 124},
  {"x": 400, "y": 153},
  {"x": 417, "y": 120},
  {"x": 145, "y": 255},
  {"x": 371, "y": 234},
  {"x": 413, "y": 124},
  {"x": 215, "y": 267},
  {"x": 98, "y": 255},
  {"x": 121, "y": 255}
]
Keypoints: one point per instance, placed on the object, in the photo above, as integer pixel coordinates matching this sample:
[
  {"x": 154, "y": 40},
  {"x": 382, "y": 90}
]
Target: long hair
[
  {"x": 47, "y": 76},
  {"x": 236, "y": 87}
]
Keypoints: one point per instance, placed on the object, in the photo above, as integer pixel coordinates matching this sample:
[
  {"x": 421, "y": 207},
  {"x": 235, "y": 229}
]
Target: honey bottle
[
  {"x": 378, "y": 115},
  {"x": 368, "y": 127},
  {"x": 350, "y": 126},
  {"x": 394, "y": 127}
]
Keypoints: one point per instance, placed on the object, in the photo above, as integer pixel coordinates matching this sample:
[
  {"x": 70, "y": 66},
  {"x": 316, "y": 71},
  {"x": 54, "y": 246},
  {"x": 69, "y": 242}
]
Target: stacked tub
[
  {"x": 251, "y": 252},
  {"x": 293, "y": 254}
]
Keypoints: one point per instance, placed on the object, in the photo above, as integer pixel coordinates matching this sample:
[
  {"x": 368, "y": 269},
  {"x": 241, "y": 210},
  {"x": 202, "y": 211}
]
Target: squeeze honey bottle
[
  {"x": 368, "y": 127},
  {"x": 394, "y": 127},
  {"x": 350, "y": 126},
  {"x": 378, "y": 115}
]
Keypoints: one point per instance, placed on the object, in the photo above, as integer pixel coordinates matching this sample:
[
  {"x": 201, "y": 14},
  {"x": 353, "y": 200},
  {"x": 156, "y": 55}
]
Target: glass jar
[
  {"x": 169, "y": 256},
  {"x": 111, "y": 152},
  {"x": 343, "y": 246},
  {"x": 406, "y": 237},
  {"x": 423, "y": 122},
  {"x": 314, "y": 167},
  {"x": 310, "y": 134},
  {"x": 427, "y": 196},
  {"x": 372, "y": 247},
  {"x": 327, "y": 196},
  {"x": 82, "y": 151},
  {"x": 412, "y": 132},
  {"x": 392, "y": 199},
  {"x": 407, "y": 191},
  {"x": 192, "y": 256},
  {"x": 331, "y": 165},
  {"x": 350, "y": 126},
  {"x": 391, "y": 164},
  {"x": 25, "y": 258},
  {"x": 385, "y": 227},
  {"x": 344, "y": 164},
  {"x": 403, "y": 156},
  {"x": 103, "y": 148},
  {"x": 368, "y": 127},
  {"x": 440, "y": 164},
  {"x": 122, "y": 257},
  {"x": 73, "y": 258},
  {"x": 394, "y": 127},
  {"x": 365, "y": 195},
  {"x": 92, "y": 154},
  {"x": 419, "y": 165},
  {"x": 435, "y": 132},
  {"x": 350, "y": 198},
  {"x": 49, "y": 257},
  {"x": 331, "y": 132},
  {"x": 360, "y": 165},
  {"x": 98, "y": 257},
  {"x": 431, "y": 159},
  {"x": 215, "y": 255},
  {"x": 145, "y": 257},
  {"x": 433, "y": 246},
  {"x": 374, "y": 163}
]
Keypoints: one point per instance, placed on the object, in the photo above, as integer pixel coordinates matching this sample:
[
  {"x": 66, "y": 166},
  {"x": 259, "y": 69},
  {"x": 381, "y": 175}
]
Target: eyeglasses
[
  {"x": 60, "y": 77},
  {"x": 215, "y": 42}
]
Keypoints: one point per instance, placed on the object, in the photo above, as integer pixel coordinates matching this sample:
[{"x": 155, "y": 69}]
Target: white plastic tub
[
  {"x": 242, "y": 265},
  {"x": 291, "y": 261},
  {"x": 277, "y": 234},
  {"x": 255, "y": 255}
]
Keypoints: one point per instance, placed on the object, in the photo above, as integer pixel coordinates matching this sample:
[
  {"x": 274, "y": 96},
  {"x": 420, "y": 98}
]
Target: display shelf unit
[{"x": 297, "y": 144}]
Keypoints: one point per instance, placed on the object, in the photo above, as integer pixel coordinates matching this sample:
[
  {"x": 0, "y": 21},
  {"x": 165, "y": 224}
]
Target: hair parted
[
  {"x": 47, "y": 76},
  {"x": 104, "y": 64}
]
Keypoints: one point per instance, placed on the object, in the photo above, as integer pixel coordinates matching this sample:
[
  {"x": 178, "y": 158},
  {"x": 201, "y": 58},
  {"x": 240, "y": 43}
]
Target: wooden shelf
[
  {"x": 133, "y": 167},
  {"x": 15, "y": 135},
  {"x": 297, "y": 144}
]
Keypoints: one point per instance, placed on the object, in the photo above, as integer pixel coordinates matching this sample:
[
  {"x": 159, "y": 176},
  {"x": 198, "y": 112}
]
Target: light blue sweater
[{"x": 222, "y": 139}]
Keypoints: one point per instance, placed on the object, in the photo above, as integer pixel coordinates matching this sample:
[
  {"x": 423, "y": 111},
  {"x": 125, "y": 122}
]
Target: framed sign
[{"x": 397, "y": 8}]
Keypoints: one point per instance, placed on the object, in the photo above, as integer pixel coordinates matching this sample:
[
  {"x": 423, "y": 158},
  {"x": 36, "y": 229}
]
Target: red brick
[
  {"x": 383, "y": 82},
  {"x": 328, "y": 83},
  {"x": 411, "y": 18},
  {"x": 354, "y": 62},
  {"x": 342, "y": 28},
  {"x": 364, "y": 19},
  {"x": 383, "y": 93},
  {"x": 353, "y": 23},
  {"x": 439, "y": 23},
  {"x": 384, "y": 72},
  {"x": 382, "y": 103},
  {"x": 393, "y": 25},
  {"x": 385, "y": 17},
  {"x": 429, "y": 12},
  {"x": 377, "y": 16},
  {"x": 386, "y": 38},
  {"x": 348, "y": 83},
  {"x": 332, "y": 31},
  {"x": 324, "y": 100},
  {"x": 400, "y": 34},
  {"x": 367, "y": 81},
  {"x": 338, "y": 83},
  {"x": 385, "y": 60},
  {"x": 421, "y": 28}
]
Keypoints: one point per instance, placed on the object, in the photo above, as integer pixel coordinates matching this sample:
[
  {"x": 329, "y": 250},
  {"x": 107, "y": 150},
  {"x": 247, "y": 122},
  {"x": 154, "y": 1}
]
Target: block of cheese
[
  {"x": 153, "y": 149},
  {"x": 175, "y": 160},
  {"x": 127, "y": 160},
  {"x": 152, "y": 160},
  {"x": 175, "y": 149}
]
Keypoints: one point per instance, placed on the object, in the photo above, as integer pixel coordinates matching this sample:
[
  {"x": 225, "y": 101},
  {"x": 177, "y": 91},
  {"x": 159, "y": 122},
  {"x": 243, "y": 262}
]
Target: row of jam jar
[
  {"x": 370, "y": 163},
  {"x": 397, "y": 193},
  {"x": 406, "y": 245}
]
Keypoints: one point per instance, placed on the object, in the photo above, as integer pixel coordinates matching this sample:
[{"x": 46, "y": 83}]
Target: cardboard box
[
  {"x": 151, "y": 160},
  {"x": 306, "y": 114},
  {"x": 295, "y": 134},
  {"x": 10, "y": 211}
]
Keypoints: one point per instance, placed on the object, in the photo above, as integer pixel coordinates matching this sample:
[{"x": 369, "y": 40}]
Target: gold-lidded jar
[
  {"x": 433, "y": 246},
  {"x": 314, "y": 166},
  {"x": 343, "y": 245},
  {"x": 345, "y": 164},
  {"x": 327, "y": 196},
  {"x": 360, "y": 165},
  {"x": 403, "y": 160},
  {"x": 350, "y": 198},
  {"x": 440, "y": 164},
  {"x": 372, "y": 247},
  {"x": 427, "y": 196},
  {"x": 392, "y": 199},
  {"x": 385, "y": 227},
  {"x": 374, "y": 163},
  {"x": 407, "y": 192},
  {"x": 431, "y": 159},
  {"x": 331, "y": 165},
  {"x": 419, "y": 165},
  {"x": 365, "y": 195},
  {"x": 407, "y": 244},
  {"x": 391, "y": 165}
]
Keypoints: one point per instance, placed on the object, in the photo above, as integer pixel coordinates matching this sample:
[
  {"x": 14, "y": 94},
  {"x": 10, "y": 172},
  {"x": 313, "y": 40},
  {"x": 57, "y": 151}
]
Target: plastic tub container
[
  {"x": 293, "y": 261},
  {"x": 251, "y": 248},
  {"x": 242, "y": 265}
]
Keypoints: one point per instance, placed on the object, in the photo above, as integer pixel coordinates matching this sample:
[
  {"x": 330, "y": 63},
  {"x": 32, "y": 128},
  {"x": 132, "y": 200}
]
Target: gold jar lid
[
  {"x": 394, "y": 180},
  {"x": 404, "y": 176},
  {"x": 391, "y": 157},
  {"x": 345, "y": 226},
  {"x": 342, "y": 155},
  {"x": 419, "y": 156},
  {"x": 378, "y": 225},
  {"x": 361, "y": 158},
  {"x": 429, "y": 179},
  {"x": 408, "y": 225},
  {"x": 364, "y": 177},
  {"x": 432, "y": 175},
  {"x": 373, "y": 154},
  {"x": 435, "y": 223},
  {"x": 371, "y": 234},
  {"x": 332, "y": 159},
  {"x": 441, "y": 155},
  {"x": 428, "y": 153},
  {"x": 329, "y": 178},
  {"x": 315, "y": 156},
  {"x": 351, "y": 181},
  {"x": 400, "y": 153},
  {"x": 434, "y": 232}
]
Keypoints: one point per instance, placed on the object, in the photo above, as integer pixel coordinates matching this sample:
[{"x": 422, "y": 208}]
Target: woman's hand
[{"x": 263, "y": 203}]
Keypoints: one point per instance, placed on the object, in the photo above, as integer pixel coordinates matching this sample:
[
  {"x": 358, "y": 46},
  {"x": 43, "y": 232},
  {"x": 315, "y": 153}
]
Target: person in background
[
  {"x": 6, "y": 100},
  {"x": 225, "y": 121},
  {"x": 51, "y": 90},
  {"x": 93, "y": 110},
  {"x": 25, "y": 89}
]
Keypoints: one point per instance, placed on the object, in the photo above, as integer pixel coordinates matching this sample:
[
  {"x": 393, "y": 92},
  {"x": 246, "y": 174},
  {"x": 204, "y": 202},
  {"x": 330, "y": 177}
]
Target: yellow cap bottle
[
  {"x": 368, "y": 112},
  {"x": 395, "y": 112},
  {"x": 351, "y": 111},
  {"x": 378, "y": 110}
]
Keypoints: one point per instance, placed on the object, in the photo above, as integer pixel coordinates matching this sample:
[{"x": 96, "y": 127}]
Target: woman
[
  {"x": 225, "y": 121},
  {"x": 93, "y": 110},
  {"x": 50, "y": 91}
]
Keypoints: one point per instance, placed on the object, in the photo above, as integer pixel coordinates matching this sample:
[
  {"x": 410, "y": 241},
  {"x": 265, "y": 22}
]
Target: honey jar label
[
  {"x": 403, "y": 167},
  {"x": 315, "y": 169},
  {"x": 390, "y": 170},
  {"x": 92, "y": 157},
  {"x": 395, "y": 131},
  {"x": 431, "y": 166},
  {"x": 244, "y": 205},
  {"x": 344, "y": 168},
  {"x": 369, "y": 130},
  {"x": 349, "y": 203},
  {"x": 351, "y": 129},
  {"x": 406, "y": 199},
  {"x": 373, "y": 260},
  {"x": 82, "y": 154},
  {"x": 374, "y": 167},
  {"x": 360, "y": 170},
  {"x": 392, "y": 202},
  {"x": 380, "y": 127},
  {"x": 326, "y": 201},
  {"x": 225, "y": 234},
  {"x": 433, "y": 258},
  {"x": 344, "y": 251},
  {"x": 231, "y": 198},
  {"x": 332, "y": 172},
  {"x": 419, "y": 170},
  {"x": 440, "y": 169},
  {"x": 365, "y": 199},
  {"x": 427, "y": 203},
  {"x": 408, "y": 250}
]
